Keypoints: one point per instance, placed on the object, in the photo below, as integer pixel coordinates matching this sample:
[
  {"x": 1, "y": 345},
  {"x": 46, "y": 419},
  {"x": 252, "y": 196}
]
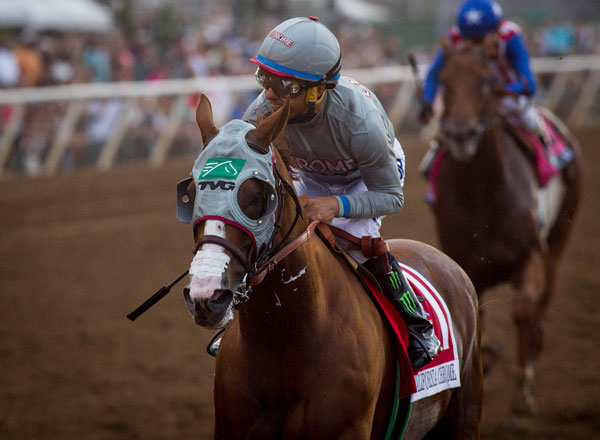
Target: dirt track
[{"x": 79, "y": 252}]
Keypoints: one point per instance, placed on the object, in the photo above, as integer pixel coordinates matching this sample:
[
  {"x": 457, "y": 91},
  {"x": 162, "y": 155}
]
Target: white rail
[
  {"x": 240, "y": 83},
  {"x": 584, "y": 71}
]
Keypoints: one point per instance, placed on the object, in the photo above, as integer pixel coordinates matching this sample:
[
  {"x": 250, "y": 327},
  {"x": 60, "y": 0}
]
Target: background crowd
[{"x": 165, "y": 44}]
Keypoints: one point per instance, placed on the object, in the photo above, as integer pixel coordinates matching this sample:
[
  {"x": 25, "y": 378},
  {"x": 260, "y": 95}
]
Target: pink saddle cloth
[{"x": 548, "y": 163}]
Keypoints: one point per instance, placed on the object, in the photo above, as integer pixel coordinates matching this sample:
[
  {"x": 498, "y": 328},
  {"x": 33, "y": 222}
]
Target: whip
[{"x": 160, "y": 294}]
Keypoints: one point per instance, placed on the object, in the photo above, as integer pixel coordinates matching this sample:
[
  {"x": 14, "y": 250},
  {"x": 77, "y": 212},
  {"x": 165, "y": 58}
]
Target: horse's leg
[
  {"x": 532, "y": 290},
  {"x": 462, "y": 419},
  {"x": 491, "y": 351}
]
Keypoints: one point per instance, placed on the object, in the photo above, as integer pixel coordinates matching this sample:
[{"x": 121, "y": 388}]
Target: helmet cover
[
  {"x": 301, "y": 48},
  {"x": 476, "y": 18}
]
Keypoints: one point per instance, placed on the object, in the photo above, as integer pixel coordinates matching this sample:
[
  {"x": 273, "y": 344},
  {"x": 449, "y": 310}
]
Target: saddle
[{"x": 371, "y": 247}]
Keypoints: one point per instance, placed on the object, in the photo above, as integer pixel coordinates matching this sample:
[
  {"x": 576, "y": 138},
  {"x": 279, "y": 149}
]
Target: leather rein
[{"x": 268, "y": 256}]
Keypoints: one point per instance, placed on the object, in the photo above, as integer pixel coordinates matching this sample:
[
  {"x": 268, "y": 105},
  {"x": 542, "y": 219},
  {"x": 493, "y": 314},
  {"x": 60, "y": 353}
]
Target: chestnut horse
[
  {"x": 306, "y": 354},
  {"x": 489, "y": 203}
]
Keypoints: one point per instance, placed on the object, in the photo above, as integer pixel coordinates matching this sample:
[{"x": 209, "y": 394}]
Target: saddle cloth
[
  {"x": 548, "y": 162},
  {"x": 443, "y": 372},
  {"x": 558, "y": 155}
]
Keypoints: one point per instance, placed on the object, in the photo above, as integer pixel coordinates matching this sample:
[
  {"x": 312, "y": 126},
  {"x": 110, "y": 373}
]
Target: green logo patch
[
  {"x": 222, "y": 168},
  {"x": 408, "y": 302}
]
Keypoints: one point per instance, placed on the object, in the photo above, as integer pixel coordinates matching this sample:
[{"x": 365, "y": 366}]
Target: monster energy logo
[
  {"x": 395, "y": 280},
  {"x": 408, "y": 302},
  {"x": 221, "y": 168}
]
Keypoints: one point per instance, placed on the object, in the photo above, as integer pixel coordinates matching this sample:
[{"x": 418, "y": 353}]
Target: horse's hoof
[
  {"x": 517, "y": 425},
  {"x": 524, "y": 407}
]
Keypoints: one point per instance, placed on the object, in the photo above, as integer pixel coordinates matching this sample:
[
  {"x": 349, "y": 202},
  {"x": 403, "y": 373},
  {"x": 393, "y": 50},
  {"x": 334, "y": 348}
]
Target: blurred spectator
[
  {"x": 169, "y": 43},
  {"x": 97, "y": 58},
  {"x": 103, "y": 116},
  {"x": 559, "y": 39},
  {"x": 30, "y": 61},
  {"x": 9, "y": 65}
]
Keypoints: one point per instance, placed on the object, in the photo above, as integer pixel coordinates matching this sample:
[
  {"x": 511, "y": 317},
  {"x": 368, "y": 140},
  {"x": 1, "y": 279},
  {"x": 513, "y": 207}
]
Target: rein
[
  {"x": 259, "y": 274},
  {"x": 268, "y": 256}
]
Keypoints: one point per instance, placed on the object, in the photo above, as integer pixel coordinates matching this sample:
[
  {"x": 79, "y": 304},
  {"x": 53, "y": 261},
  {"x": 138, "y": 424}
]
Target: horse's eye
[{"x": 252, "y": 198}]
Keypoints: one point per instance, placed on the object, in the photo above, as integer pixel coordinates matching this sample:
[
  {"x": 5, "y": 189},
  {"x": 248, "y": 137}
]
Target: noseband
[{"x": 254, "y": 270}]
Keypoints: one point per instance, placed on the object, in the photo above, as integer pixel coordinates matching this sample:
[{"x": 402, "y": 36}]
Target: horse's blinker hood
[{"x": 219, "y": 171}]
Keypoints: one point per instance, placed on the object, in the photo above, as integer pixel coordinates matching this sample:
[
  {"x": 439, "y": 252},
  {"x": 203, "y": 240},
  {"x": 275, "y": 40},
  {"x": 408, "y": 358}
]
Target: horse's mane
[{"x": 280, "y": 144}]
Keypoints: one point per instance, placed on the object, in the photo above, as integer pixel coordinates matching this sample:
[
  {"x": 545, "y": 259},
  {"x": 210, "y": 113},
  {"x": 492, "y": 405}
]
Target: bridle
[
  {"x": 488, "y": 120},
  {"x": 255, "y": 269},
  {"x": 266, "y": 258}
]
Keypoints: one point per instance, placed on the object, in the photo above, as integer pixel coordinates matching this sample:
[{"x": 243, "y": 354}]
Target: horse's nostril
[
  {"x": 186, "y": 295},
  {"x": 220, "y": 299},
  {"x": 219, "y": 302}
]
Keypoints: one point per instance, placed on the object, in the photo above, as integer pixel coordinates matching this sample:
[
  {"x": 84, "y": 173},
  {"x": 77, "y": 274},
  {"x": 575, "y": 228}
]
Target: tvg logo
[{"x": 214, "y": 184}]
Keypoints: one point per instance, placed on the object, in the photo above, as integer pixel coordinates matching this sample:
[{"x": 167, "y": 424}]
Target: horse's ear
[
  {"x": 204, "y": 119},
  {"x": 490, "y": 45},
  {"x": 269, "y": 129},
  {"x": 446, "y": 46}
]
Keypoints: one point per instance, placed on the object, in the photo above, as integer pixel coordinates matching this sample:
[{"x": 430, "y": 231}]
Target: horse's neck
[
  {"x": 489, "y": 161},
  {"x": 292, "y": 296}
]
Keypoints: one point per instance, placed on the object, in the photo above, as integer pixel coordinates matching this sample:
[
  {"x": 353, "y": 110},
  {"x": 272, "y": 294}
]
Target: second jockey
[
  {"x": 349, "y": 161},
  {"x": 475, "y": 20}
]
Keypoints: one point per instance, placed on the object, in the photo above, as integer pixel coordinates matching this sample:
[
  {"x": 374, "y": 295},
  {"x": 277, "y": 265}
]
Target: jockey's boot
[
  {"x": 427, "y": 161},
  {"x": 423, "y": 345}
]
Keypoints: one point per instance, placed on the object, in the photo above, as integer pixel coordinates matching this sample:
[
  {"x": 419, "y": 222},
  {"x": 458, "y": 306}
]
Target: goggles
[{"x": 281, "y": 86}]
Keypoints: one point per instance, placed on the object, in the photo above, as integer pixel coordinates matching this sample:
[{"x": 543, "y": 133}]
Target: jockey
[
  {"x": 475, "y": 20},
  {"x": 349, "y": 161}
]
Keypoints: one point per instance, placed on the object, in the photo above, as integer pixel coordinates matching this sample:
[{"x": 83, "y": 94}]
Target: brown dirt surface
[{"x": 80, "y": 251}]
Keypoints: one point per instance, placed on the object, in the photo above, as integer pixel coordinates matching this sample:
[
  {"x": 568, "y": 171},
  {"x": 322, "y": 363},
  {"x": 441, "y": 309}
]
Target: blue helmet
[{"x": 476, "y": 18}]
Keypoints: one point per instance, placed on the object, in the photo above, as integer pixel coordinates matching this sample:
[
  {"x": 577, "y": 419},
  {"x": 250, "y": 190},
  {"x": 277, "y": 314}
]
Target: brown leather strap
[
  {"x": 365, "y": 247},
  {"x": 326, "y": 234},
  {"x": 260, "y": 274},
  {"x": 346, "y": 236},
  {"x": 371, "y": 247}
]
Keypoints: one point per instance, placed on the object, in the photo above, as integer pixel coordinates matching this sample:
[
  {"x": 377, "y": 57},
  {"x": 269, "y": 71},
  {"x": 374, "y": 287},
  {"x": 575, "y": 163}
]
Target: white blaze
[{"x": 209, "y": 264}]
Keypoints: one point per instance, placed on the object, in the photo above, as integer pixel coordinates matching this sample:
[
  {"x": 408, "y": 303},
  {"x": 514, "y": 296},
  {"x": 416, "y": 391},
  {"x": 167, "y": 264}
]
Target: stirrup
[{"x": 425, "y": 355}]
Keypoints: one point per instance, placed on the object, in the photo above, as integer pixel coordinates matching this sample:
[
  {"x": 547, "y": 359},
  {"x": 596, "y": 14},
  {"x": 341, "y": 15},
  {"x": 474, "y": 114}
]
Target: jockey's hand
[
  {"x": 323, "y": 209},
  {"x": 426, "y": 113}
]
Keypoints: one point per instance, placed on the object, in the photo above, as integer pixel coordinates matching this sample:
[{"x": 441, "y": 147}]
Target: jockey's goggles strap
[
  {"x": 334, "y": 72},
  {"x": 282, "y": 87}
]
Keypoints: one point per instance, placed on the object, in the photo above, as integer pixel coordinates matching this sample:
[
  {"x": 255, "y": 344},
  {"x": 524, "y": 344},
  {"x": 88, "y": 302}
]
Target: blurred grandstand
[{"x": 78, "y": 92}]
